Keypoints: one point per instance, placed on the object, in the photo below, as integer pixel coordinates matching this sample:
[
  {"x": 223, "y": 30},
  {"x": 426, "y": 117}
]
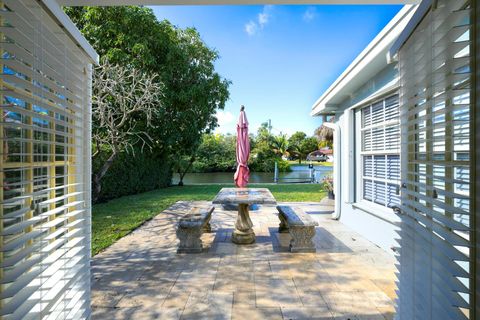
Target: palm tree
[
  {"x": 325, "y": 135},
  {"x": 304, "y": 148},
  {"x": 280, "y": 145}
]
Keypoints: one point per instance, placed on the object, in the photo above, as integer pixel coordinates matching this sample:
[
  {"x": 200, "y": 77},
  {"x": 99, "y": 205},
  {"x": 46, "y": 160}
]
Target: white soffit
[
  {"x": 371, "y": 61},
  {"x": 224, "y": 2},
  {"x": 69, "y": 27}
]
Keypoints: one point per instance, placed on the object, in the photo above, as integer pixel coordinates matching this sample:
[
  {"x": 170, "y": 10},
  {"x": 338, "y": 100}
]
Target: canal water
[{"x": 298, "y": 174}]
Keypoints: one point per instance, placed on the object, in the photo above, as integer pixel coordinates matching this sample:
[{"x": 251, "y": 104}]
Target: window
[{"x": 379, "y": 152}]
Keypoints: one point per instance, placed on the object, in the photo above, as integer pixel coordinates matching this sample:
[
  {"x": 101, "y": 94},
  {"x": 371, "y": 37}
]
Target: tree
[
  {"x": 193, "y": 90},
  {"x": 121, "y": 96},
  {"x": 325, "y": 135},
  {"x": 131, "y": 35},
  {"x": 308, "y": 145},
  {"x": 182, "y": 165},
  {"x": 294, "y": 143},
  {"x": 216, "y": 153},
  {"x": 264, "y": 133},
  {"x": 280, "y": 145},
  {"x": 200, "y": 93},
  {"x": 262, "y": 158},
  {"x": 300, "y": 146},
  {"x": 297, "y": 138}
]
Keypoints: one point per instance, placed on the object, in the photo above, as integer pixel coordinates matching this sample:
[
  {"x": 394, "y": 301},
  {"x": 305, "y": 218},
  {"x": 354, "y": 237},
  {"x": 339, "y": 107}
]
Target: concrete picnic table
[{"x": 244, "y": 197}]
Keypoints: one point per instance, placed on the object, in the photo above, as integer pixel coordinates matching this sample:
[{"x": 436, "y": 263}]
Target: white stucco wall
[{"x": 373, "y": 222}]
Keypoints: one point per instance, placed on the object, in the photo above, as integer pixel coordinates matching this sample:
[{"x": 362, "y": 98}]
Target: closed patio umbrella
[{"x": 243, "y": 151}]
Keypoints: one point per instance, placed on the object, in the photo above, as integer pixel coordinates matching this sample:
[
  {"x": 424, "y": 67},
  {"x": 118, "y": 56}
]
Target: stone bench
[
  {"x": 300, "y": 226},
  {"x": 191, "y": 227}
]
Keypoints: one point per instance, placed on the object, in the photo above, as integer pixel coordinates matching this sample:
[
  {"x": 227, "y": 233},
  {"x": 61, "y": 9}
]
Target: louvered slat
[
  {"x": 435, "y": 235},
  {"x": 44, "y": 177}
]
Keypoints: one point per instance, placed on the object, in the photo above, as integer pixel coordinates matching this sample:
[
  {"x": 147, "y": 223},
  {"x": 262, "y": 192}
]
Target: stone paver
[{"x": 142, "y": 277}]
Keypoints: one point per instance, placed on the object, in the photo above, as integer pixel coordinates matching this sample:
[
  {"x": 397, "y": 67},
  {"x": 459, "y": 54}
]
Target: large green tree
[{"x": 192, "y": 89}]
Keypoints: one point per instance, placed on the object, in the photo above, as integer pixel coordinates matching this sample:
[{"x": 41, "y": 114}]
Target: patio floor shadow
[{"x": 142, "y": 277}]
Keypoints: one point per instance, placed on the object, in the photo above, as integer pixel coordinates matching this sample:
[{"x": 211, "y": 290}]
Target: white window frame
[{"x": 368, "y": 206}]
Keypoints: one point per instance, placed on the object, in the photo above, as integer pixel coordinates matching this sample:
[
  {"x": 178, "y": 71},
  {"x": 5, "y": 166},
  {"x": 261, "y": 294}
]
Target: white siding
[{"x": 364, "y": 217}]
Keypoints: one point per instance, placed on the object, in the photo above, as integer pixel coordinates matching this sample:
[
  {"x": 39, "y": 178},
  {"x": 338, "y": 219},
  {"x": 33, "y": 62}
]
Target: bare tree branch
[{"x": 121, "y": 96}]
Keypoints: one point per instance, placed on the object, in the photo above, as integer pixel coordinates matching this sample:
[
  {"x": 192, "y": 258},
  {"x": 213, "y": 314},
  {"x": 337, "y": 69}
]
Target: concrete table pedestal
[
  {"x": 243, "y": 233},
  {"x": 243, "y": 198}
]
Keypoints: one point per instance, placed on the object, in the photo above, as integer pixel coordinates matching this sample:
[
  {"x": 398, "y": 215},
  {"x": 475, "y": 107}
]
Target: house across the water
[{"x": 321, "y": 155}]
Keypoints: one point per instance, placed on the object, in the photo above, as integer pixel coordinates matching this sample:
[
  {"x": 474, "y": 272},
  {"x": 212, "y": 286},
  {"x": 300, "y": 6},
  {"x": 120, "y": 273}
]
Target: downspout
[{"x": 336, "y": 168}]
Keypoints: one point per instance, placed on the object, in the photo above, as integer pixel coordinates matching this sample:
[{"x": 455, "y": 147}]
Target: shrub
[
  {"x": 135, "y": 173},
  {"x": 216, "y": 153},
  {"x": 327, "y": 184},
  {"x": 268, "y": 165},
  {"x": 283, "y": 165}
]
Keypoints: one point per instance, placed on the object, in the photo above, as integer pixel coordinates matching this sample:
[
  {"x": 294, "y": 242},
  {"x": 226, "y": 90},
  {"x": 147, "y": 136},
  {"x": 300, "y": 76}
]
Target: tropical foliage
[{"x": 216, "y": 152}]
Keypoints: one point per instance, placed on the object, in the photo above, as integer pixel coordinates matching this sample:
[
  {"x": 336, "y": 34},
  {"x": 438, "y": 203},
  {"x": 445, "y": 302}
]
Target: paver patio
[{"x": 142, "y": 277}]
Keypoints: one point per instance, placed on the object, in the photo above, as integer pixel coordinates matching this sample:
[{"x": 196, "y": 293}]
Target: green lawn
[{"x": 117, "y": 218}]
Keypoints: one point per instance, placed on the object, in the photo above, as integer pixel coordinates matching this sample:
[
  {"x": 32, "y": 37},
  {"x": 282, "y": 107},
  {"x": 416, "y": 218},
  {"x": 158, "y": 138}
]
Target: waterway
[{"x": 298, "y": 174}]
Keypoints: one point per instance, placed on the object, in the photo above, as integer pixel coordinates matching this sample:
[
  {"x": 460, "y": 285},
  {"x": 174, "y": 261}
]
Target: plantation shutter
[
  {"x": 45, "y": 156},
  {"x": 435, "y": 245},
  {"x": 380, "y": 144}
]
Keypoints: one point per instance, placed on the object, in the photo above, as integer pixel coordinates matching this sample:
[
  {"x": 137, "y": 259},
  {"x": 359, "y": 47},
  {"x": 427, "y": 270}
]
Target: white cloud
[
  {"x": 263, "y": 19},
  {"x": 252, "y": 27},
  {"x": 225, "y": 122},
  {"x": 309, "y": 14}
]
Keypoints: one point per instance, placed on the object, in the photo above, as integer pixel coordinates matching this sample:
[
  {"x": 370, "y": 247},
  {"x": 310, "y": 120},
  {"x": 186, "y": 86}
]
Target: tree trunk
[
  {"x": 97, "y": 178},
  {"x": 182, "y": 174}
]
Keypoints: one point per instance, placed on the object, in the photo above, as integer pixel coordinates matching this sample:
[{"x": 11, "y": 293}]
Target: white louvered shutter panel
[
  {"x": 45, "y": 178},
  {"x": 380, "y": 139},
  {"x": 435, "y": 280}
]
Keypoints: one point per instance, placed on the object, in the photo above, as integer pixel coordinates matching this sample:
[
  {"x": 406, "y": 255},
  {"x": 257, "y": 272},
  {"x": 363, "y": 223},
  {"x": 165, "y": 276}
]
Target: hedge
[{"x": 135, "y": 173}]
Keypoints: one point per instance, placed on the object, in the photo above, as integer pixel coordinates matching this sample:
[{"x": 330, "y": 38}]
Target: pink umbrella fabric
[{"x": 243, "y": 151}]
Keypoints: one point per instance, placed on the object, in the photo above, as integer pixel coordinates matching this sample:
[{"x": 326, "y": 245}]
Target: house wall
[
  {"x": 376, "y": 224},
  {"x": 383, "y": 79}
]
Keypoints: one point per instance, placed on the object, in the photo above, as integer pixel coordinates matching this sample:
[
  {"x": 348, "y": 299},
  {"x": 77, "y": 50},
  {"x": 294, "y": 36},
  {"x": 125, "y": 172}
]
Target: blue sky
[{"x": 280, "y": 59}]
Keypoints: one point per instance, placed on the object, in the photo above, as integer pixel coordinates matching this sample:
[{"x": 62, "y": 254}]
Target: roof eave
[
  {"x": 409, "y": 28},
  {"x": 376, "y": 51},
  {"x": 325, "y": 110},
  {"x": 71, "y": 29}
]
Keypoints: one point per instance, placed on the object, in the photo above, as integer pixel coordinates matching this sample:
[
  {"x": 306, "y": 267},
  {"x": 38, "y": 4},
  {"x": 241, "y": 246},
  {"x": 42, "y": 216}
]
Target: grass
[{"x": 115, "y": 219}]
